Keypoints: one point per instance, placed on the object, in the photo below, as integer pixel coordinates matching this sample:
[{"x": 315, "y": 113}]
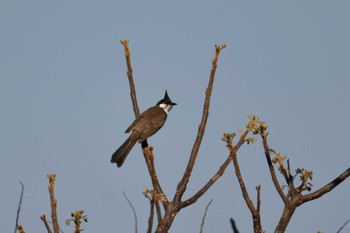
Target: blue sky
[{"x": 65, "y": 104}]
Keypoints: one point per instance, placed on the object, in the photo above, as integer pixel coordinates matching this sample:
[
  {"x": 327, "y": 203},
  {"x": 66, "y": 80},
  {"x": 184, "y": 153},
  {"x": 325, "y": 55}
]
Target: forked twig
[{"x": 181, "y": 187}]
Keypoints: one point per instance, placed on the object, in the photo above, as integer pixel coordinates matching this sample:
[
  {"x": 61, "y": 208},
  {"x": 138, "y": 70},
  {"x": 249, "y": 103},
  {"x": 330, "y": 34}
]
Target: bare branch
[
  {"x": 327, "y": 188},
  {"x": 149, "y": 157},
  {"x": 125, "y": 43},
  {"x": 204, "y": 215},
  {"x": 147, "y": 152},
  {"x": 242, "y": 185},
  {"x": 254, "y": 212},
  {"x": 258, "y": 200},
  {"x": 254, "y": 125},
  {"x": 133, "y": 210},
  {"x": 271, "y": 168},
  {"x": 233, "y": 225},
  {"x": 342, "y": 227},
  {"x": 181, "y": 187},
  {"x": 149, "y": 195},
  {"x": 19, "y": 206},
  {"x": 43, "y": 218},
  {"x": 53, "y": 201},
  {"x": 60, "y": 227},
  {"x": 159, "y": 212},
  {"x": 221, "y": 170},
  {"x": 151, "y": 215}
]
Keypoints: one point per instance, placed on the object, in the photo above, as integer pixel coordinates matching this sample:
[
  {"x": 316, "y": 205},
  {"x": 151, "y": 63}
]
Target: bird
[{"x": 143, "y": 127}]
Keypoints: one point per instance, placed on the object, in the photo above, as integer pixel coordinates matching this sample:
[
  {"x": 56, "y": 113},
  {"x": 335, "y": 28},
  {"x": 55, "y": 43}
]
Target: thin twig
[
  {"x": 19, "y": 206},
  {"x": 258, "y": 200},
  {"x": 272, "y": 170},
  {"x": 342, "y": 227},
  {"x": 60, "y": 227},
  {"x": 159, "y": 212},
  {"x": 133, "y": 210},
  {"x": 43, "y": 218},
  {"x": 233, "y": 225},
  {"x": 181, "y": 187},
  {"x": 204, "y": 215},
  {"x": 125, "y": 43},
  {"x": 242, "y": 184},
  {"x": 151, "y": 216}
]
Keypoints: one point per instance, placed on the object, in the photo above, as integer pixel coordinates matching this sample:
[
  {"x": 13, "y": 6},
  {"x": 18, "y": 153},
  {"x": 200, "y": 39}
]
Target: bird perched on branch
[{"x": 144, "y": 126}]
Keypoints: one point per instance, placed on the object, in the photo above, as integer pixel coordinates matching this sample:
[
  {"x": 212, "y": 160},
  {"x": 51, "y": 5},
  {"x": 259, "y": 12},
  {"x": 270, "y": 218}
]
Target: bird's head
[{"x": 166, "y": 104}]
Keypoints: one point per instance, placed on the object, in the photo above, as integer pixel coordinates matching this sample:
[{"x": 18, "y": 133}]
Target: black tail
[{"x": 120, "y": 155}]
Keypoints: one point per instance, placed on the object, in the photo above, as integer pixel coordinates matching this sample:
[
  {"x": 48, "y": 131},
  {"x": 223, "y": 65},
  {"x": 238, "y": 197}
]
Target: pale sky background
[{"x": 65, "y": 104}]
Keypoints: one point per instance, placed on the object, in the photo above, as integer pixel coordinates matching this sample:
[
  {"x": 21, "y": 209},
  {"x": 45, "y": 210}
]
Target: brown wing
[
  {"x": 131, "y": 127},
  {"x": 148, "y": 123},
  {"x": 139, "y": 119}
]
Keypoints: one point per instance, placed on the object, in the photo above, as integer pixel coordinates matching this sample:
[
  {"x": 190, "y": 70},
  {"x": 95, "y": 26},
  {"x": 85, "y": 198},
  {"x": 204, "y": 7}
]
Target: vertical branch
[
  {"x": 125, "y": 43},
  {"x": 53, "y": 201},
  {"x": 148, "y": 154},
  {"x": 159, "y": 212},
  {"x": 258, "y": 200},
  {"x": 151, "y": 215},
  {"x": 181, "y": 187},
  {"x": 19, "y": 206},
  {"x": 149, "y": 157},
  {"x": 149, "y": 195},
  {"x": 133, "y": 210}
]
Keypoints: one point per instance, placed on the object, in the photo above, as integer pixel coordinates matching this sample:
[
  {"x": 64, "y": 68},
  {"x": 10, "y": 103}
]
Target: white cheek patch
[{"x": 165, "y": 107}]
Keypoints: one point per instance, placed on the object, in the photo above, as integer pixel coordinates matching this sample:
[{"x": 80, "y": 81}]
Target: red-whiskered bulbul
[{"x": 144, "y": 126}]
